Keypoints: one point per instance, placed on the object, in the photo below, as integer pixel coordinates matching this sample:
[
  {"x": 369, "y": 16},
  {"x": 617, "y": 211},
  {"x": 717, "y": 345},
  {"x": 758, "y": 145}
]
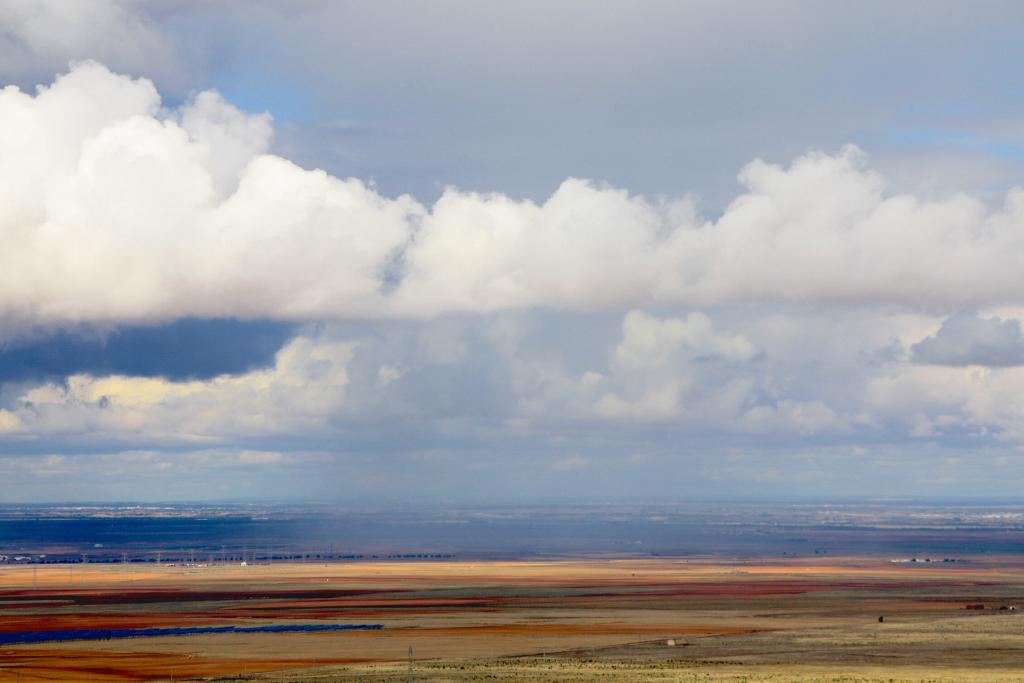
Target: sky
[{"x": 489, "y": 252}]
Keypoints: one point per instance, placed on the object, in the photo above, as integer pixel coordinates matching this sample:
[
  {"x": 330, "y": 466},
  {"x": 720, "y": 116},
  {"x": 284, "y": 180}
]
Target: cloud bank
[
  {"x": 116, "y": 209},
  {"x": 495, "y": 377},
  {"x": 650, "y": 401}
]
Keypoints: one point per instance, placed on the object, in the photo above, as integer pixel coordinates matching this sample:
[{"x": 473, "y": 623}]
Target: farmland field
[{"x": 592, "y": 618}]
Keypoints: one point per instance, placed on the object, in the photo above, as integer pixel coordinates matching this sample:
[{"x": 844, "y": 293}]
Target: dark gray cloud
[
  {"x": 968, "y": 339},
  {"x": 185, "y": 349}
]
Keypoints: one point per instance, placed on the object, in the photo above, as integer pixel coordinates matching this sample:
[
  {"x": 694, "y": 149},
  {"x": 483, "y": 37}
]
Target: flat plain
[{"x": 595, "y": 618}]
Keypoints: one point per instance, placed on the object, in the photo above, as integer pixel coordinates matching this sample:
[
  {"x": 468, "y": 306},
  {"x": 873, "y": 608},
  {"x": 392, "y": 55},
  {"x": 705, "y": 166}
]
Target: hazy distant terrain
[{"x": 265, "y": 532}]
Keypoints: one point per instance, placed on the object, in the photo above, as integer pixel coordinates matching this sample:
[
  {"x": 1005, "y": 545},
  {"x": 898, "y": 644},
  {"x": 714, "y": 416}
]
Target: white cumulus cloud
[{"x": 115, "y": 209}]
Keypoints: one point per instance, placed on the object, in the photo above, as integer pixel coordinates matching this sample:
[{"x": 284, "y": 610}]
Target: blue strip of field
[{"x": 110, "y": 633}]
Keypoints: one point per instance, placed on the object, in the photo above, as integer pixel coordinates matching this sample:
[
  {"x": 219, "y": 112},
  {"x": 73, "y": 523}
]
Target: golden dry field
[{"x": 608, "y": 619}]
